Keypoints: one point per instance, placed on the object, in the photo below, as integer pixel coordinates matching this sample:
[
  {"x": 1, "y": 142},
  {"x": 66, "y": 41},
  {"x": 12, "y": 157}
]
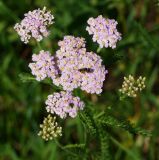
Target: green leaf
[
  {"x": 4, "y": 10},
  {"x": 26, "y": 77},
  {"x": 124, "y": 124},
  {"x": 72, "y": 146},
  {"x": 88, "y": 121},
  {"x": 147, "y": 36},
  {"x": 104, "y": 144}
]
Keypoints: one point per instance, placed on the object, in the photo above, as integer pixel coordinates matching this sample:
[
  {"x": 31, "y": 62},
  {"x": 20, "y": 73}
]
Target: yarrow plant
[
  {"x": 50, "y": 128},
  {"x": 34, "y": 25},
  {"x": 43, "y": 65},
  {"x": 79, "y": 68},
  {"x": 104, "y": 31},
  {"x": 73, "y": 68},
  {"x": 131, "y": 87},
  {"x": 64, "y": 103}
]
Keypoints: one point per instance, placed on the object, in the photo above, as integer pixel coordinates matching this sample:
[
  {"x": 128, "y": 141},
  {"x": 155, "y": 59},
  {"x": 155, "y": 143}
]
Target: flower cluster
[
  {"x": 131, "y": 87},
  {"x": 104, "y": 31},
  {"x": 43, "y": 65},
  {"x": 50, "y": 128},
  {"x": 79, "y": 68},
  {"x": 34, "y": 25},
  {"x": 71, "y": 67},
  {"x": 64, "y": 103},
  {"x": 71, "y": 43}
]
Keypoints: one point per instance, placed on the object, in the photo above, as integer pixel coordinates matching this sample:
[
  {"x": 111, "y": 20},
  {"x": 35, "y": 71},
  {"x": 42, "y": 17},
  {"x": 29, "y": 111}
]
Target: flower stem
[
  {"x": 123, "y": 148},
  {"x": 99, "y": 115},
  {"x": 62, "y": 147},
  {"x": 39, "y": 45},
  {"x": 99, "y": 49}
]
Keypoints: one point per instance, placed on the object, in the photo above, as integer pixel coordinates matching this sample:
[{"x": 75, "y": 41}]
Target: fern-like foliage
[
  {"x": 72, "y": 146},
  {"x": 147, "y": 37},
  {"x": 77, "y": 149},
  {"x": 26, "y": 77},
  {"x": 104, "y": 144},
  {"x": 124, "y": 124},
  {"x": 87, "y": 118}
]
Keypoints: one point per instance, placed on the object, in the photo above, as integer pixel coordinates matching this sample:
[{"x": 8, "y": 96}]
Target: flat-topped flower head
[
  {"x": 49, "y": 128},
  {"x": 63, "y": 104},
  {"x": 131, "y": 86},
  {"x": 43, "y": 65},
  {"x": 84, "y": 70},
  {"x": 34, "y": 24},
  {"x": 79, "y": 68},
  {"x": 104, "y": 31},
  {"x": 68, "y": 64}
]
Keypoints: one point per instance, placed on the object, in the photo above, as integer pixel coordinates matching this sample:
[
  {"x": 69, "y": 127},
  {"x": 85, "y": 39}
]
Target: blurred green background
[{"x": 22, "y": 104}]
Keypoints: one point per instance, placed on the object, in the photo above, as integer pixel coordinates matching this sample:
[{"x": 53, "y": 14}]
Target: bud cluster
[
  {"x": 50, "y": 128},
  {"x": 131, "y": 87}
]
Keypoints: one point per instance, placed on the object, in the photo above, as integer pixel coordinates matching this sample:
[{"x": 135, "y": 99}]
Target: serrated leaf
[
  {"x": 25, "y": 77},
  {"x": 104, "y": 144},
  {"x": 88, "y": 121},
  {"x": 69, "y": 146},
  {"x": 124, "y": 124}
]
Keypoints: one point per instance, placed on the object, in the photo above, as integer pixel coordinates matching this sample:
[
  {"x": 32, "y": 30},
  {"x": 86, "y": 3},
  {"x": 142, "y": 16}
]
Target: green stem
[
  {"x": 122, "y": 97},
  {"x": 99, "y": 115},
  {"x": 99, "y": 49},
  {"x": 39, "y": 45},
  {"x": 123, "y": 148},
  {"x": 62, "y": 147}
]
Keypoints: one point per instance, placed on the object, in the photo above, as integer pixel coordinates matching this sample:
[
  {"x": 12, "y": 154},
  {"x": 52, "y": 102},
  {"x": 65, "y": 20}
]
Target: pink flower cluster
[
  {"x": 79, "y": 68},
  {"x": 34, "y": 25},
  {"x": 43, "y": 65},
  {"x": 104, "y": 31},
  {"x": 72, "y": 66},
  {"x": 63, "y": 104}
]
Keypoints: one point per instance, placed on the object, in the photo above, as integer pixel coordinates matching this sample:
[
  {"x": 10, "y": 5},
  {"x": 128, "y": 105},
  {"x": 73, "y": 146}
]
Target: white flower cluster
[
  {"x": 49, "y": 128},
  {"x": 131, "y": 87}
]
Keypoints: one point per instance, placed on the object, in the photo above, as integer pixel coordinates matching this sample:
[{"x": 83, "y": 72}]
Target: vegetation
[{"x": 110, "y": 127}]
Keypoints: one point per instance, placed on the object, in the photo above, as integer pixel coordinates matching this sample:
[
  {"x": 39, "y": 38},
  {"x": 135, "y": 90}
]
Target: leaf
[
  {"x": 69, "y": 146},
  {"x": 88, "y": 121},
  {"x": 78, "y": 149},
  {"x": 104, "y": 144},
  {"x": 152, "y": 79},
  {"x": 124, "y": 124},
  {"x": 4, "y": 10},
  {"x": 147, "y": 36},
  {"x": 26, "y": 77}
]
